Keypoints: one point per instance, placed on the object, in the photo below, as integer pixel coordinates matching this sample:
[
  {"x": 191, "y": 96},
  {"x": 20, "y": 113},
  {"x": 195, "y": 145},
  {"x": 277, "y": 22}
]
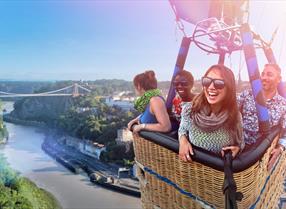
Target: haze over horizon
[{"x": 90, "y": 40}]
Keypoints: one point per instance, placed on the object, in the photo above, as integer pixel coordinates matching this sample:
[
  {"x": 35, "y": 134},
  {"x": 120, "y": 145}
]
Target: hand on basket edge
[
  {"x": 273, "y": 157},
  {"x": 185, "y": 149},
  {"x": 234, "y": 150}
]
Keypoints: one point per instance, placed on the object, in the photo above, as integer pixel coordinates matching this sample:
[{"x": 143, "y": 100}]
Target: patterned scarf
[
  {"x": 141, "y": 103},
  {"x": 207, "y": 120}
]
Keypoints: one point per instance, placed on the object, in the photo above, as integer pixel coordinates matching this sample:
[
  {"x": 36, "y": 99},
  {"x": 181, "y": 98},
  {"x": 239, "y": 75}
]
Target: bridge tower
[{"x": 75, "y": 92}]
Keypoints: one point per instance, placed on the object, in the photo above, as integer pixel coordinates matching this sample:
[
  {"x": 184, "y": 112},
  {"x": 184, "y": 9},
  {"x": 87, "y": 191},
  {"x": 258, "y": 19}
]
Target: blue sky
[{"x": 88, "y": 40}]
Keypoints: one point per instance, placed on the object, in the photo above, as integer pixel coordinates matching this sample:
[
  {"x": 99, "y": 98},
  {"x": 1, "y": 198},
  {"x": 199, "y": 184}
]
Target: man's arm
[
  {"x": 282, "y": 140},
  {"x": 275, "y": 153},
  {"x": 281, "y": 145}
]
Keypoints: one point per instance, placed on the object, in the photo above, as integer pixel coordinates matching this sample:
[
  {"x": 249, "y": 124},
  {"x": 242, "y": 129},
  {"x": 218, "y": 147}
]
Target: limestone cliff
[{"x": 43, "y": 109}]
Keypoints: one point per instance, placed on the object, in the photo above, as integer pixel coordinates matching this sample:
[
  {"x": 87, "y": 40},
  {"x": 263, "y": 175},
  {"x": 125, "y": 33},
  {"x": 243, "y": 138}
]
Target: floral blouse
[
  {"x": 177, "y": 108},
  {"x": 276, "y": 110}
]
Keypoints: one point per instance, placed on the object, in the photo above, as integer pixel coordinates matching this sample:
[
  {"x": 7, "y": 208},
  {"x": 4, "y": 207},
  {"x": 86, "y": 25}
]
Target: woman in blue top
[{"x": 154, "y": 115}]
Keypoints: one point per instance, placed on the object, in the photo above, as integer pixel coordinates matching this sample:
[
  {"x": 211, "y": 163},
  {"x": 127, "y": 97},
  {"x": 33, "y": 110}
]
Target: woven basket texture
[{"x": 205, "y": 184}]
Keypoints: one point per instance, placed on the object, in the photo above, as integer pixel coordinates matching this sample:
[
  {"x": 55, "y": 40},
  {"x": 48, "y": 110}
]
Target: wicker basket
[{"x": 167, "y": 182}]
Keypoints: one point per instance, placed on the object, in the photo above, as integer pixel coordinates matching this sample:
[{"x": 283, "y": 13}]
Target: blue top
[{"x": 147, "y": 116}]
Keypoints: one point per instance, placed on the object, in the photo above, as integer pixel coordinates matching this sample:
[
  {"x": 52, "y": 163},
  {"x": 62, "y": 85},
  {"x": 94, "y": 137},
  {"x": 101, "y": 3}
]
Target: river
[{"x": 24, "y": 154}]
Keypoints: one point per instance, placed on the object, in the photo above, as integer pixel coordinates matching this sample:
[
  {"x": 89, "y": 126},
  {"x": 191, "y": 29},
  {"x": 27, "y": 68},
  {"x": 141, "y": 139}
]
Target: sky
[{"x": 113, "y": 39}]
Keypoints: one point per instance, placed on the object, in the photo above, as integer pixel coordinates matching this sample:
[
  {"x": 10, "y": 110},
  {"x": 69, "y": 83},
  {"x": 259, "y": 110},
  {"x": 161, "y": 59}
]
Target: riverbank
[
  {"x": 38, "y": 197},
  {"x": 20, "y": 192},
  {"x": 76, "y": 162},
  {"x": 4, "y": 135},
  {"x": 9, "y": 119},
  {"x": 24, "y": 153},
  {"x": 53, "y": 145}
]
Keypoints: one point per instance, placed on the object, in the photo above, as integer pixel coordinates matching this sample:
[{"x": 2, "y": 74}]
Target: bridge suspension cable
[
  {"x": 2, "y": 92},
  {"x": 73, "y": 87}
]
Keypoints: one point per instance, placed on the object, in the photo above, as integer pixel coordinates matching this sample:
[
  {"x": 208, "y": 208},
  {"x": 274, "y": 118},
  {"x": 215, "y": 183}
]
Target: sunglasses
[
  {"x": 218, "y": 83},
  {"x": 182, "y": 83}
]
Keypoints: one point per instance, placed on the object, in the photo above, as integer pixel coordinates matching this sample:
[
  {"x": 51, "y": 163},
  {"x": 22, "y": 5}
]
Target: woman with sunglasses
[
  {"x": 212, "y": 121},
  {"x": 151, "y": 104},
  {"x": 183, "y": 84}
]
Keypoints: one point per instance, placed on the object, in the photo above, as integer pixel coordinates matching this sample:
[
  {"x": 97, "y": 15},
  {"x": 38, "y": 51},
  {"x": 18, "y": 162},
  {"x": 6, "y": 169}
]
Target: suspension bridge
[{"x": 72, "y": 90}]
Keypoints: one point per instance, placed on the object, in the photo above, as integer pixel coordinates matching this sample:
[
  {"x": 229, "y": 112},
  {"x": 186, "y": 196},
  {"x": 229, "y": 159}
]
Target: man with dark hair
[{"x": 276, "y": 105}]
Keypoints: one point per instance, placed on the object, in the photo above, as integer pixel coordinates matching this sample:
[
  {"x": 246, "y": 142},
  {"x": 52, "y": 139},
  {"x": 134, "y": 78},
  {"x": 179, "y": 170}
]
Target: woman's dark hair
[
  {"x": 146, "y": 80},
  {"x": 229, "y": 102},
  {"x": 187, "y": 75}
]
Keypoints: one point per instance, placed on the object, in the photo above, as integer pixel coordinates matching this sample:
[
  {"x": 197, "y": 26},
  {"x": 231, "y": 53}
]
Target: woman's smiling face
[
  {"x": 214, "y": 95},
  {"x": 182, "y": 86}
]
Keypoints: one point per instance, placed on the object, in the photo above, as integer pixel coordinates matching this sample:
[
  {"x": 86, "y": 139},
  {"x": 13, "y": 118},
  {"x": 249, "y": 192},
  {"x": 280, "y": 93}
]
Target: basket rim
[{"x": 243, "y": 161}]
